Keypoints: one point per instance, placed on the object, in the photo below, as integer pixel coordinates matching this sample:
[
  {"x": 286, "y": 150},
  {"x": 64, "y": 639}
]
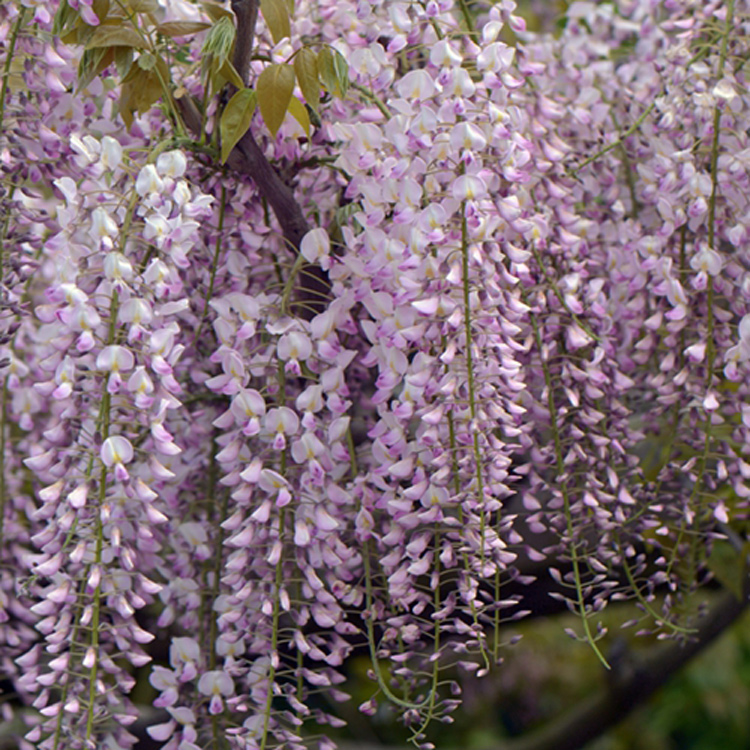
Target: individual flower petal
[
  {"x": 282, "y": 420},
  {"x": 315, "y": 245},
  {"x": 183, "y": 650},
  {"x": 216, "y": 682},
  {"x": 116, "y": 450},
  {"x": 294, "y": 345},
  {"x": 171, "y": 164},
  {"x": 148, "y": 181},
  {"x": 417, "y": 84},
  {"x": 111, "y": 155},
  {"x": 115, "y": 358},
  {"x": 468, "y": 187},
  {"x": 102, "y": 224}
]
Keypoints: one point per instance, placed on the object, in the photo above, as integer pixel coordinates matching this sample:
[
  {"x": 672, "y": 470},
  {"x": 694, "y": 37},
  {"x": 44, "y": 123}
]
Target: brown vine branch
[
  {"x": 246, "y": 12},
  {"x": 247, "y": 158}
]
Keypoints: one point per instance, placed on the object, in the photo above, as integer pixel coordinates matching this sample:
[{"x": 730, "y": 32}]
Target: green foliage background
[{"x": 706, "y": 707}]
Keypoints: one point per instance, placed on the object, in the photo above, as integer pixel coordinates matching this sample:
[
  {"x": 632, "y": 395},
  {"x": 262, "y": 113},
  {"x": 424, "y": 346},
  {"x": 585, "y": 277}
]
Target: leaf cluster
[
  {"x": 274, "y": 94},
  {"x": 130, "y": 37}
]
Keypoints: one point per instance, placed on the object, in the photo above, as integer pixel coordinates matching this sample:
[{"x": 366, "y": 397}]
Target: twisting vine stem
[
  {"x": 102, "y": 424},
  {"x": 473, "y": 427},
  {"x": 96, "y": 605},
  {"x": 369, "y": 618}
]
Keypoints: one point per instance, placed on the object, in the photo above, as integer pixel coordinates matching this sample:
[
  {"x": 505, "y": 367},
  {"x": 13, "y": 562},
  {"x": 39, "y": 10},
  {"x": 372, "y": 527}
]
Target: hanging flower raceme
[{"x": 534, "y": 265}]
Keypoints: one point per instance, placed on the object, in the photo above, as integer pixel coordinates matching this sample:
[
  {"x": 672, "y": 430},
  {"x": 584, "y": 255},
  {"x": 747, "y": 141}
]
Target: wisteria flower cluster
[{"x": 529, "y": 358}]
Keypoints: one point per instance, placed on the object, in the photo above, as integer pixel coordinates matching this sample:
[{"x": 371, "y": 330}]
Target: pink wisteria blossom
[{"x": 368, "y": 376}]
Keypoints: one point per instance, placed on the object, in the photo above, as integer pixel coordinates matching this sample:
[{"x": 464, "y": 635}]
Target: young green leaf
[
  {"x": 115, "y": 36},
  {"x": 216, "y": 50},
  {"x": 219, "y": 40},
  {"x": 101, "y": 8},
  {"x": 143, "y": 6},
  {"x": 306, "y": 68},
  {"x": 274, "y": 88},
  {"x": 229, "y": 72},
  {"x": 181, "y": 28},
  {"x": 93, "y": 62},
  {"x": 299, "y": 112},
  {"x": 215, "y": 11},
  {"x": 123, "y": 60},
  {"x": 334, "y": 71},
  {"x": 276, "y": 16},
  {"x": 235, "y": 120}
]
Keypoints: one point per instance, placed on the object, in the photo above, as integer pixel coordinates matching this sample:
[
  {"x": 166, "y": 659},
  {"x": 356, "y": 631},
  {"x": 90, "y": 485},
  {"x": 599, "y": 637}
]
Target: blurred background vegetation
[{"x": 705, "y": 707}]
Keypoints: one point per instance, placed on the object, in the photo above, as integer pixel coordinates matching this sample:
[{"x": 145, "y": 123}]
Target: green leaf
[
  {"x": 115, "y": 36},
  {"x": 276, "y": 16},
  {"x": 123, "y": 60},
  {"x": 149, "y": 93},
  {"x": 134, "y": 72},
  {"x": 306, "y": 68},
  {"x": 93, "y": 62},
  {"x": 342, "y": 72},
  {"x": 127, "y": 105},
  {"x": 181, "y": 28},
  {"x": 143, "y": 6},
  {"x": 344, "y": 213},
  {"x": 315, "y": 120},
  {"x": 101, "y": 8},
  {"x": 78, "y": 33},
  {"x": 235, "y": 120},
  {"x": 224, "y": 73},
  {"x": 274, "y": 88},
  {"x": 230, "y": 74},
  {"x": 141, "y": 88},
  {"x": 299, "y": 112},
  {"x": 334, "y": 71},
  {"x": 215, "y": 11}
]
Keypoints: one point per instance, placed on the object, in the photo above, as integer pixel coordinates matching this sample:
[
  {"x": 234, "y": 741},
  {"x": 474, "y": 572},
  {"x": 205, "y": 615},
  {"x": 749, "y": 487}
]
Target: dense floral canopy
[{"x": 342, "y": 326}]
